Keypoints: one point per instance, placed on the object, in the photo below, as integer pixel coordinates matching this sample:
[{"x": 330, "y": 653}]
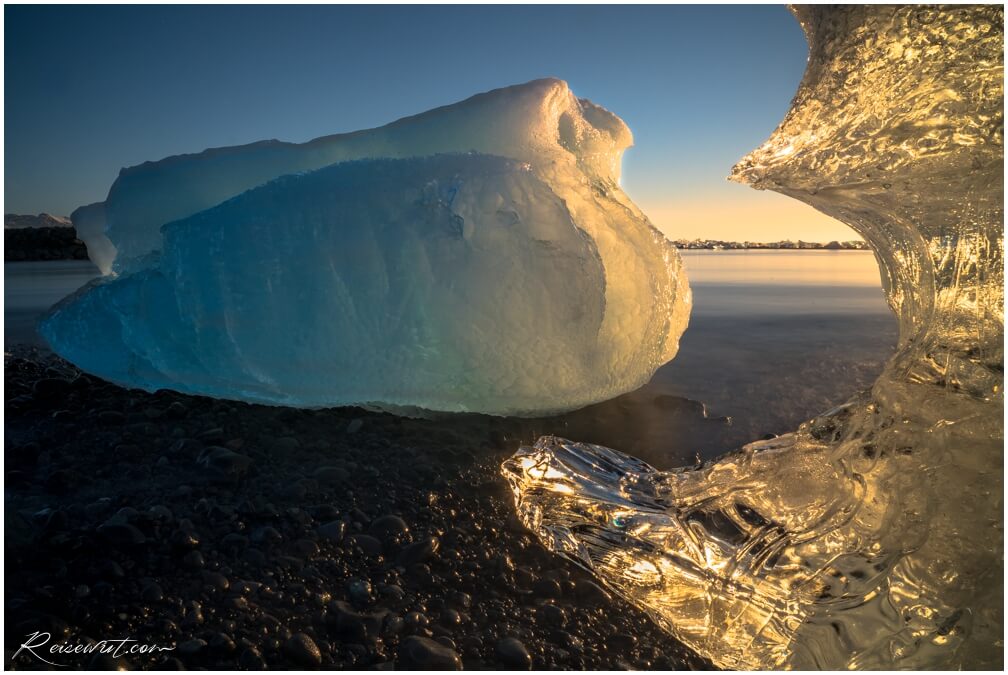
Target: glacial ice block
[
  {"x": 873, "y": 536},
  {"x": 540, "y": 122},
  {"x": 452, "y": 280}
]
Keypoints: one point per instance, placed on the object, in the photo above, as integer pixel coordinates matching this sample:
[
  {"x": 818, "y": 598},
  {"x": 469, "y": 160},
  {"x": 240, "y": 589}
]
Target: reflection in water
[
  {"x": 30, "y": 288},
  {"x": 764, "y": 348},
  {"x": 872, "y": 537},
  {"x": 762, "y": 267}
]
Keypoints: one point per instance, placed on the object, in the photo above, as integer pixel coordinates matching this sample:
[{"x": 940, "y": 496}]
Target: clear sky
[{"x": 92, "y": 89}]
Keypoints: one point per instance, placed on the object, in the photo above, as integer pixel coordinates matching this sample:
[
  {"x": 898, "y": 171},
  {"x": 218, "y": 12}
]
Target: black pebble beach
[{"x": 250, "y": 537}]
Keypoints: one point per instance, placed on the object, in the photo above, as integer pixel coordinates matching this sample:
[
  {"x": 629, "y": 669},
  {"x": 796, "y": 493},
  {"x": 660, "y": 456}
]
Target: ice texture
[
  {"x": 477, "y": 257},
  {"x": 873, "y": 536}
]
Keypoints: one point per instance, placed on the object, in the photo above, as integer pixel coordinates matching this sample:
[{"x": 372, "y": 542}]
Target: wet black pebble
[
  {"x": 416, "y": 620},
  {"x": 222, "y": 644},
  {"x": 472, "y": 646},
  {"x": 546, "y": 588},
  {"x": 420, "y": 653},
  {"x": 215, "y": 435},
  {"x": 567, "y": 641},
  {"x": 551, "y": 615},
  {"x": 512, "y": 652},
  {"x": 50, "y": 388},
  {"x": 524, "y": 578},
  {"x": 176, "y": 411},
  {"x": 334, "y": 530},
  {"x": 359, "y": 592},
  {"x": 622, "y": 642},
  {"x": 459, "y": 599},
  {"x": 591, "y": 593},
  {"x": 251, "y": 659},
  {"x": 446, "y": 641},
  {"x": 390, "y": 529},
  {"x": 419, "y": 574},
  {"x": 306, "y": 548},
  {"x": 216, "y": 581},
  {"x": 418, "y": 552},
  {"x": 450, "y": 618},
  {"x": 393, "y": 591},
  {"x": 350, "y": 624},
  {"x": 184, "y": 539},
  {"x": 267, "y": 536},
  {"x": 111, "y": 417},
  {"x": 366, "y": 543},
  {"x": 152, "y": 593},
  {"x": 191, "y": 648},
  {"x": 302, "y": 650},
  {"x": 121, "y": 534},
  {"x": 254, "y": 557},
  {"x": 324, "y": 512},
  {"x": 224, "y": 464}
]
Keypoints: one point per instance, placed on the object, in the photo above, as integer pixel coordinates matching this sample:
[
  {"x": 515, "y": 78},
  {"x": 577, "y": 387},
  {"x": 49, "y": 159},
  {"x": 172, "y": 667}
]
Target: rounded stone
[
  {"x": 418, "y": 551},
  {"x": 389, "y": 528},
  {"x": 510, "y": 651},
  {"x": 333, "y": 530},
  {"x": 546, "y": 588},
  {"x": 302, "y": 650},
  {"x": 421, "y": 653},
  {"x": 359, "y": 591}
]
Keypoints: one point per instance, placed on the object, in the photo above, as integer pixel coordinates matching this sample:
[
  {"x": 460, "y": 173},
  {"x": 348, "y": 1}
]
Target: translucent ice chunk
[
  {"x": 484, "y": 258},
  {"x": 873, "y": 536},
  {"x": 453, "y": 282},
  {"x": 562, "y": 137}
]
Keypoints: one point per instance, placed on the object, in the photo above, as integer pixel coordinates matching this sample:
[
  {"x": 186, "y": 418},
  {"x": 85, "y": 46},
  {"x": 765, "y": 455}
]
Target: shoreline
[{"x": 43, "y": 244}]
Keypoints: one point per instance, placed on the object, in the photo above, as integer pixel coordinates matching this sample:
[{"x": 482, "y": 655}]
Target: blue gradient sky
[{"x": 93, "y": 89}]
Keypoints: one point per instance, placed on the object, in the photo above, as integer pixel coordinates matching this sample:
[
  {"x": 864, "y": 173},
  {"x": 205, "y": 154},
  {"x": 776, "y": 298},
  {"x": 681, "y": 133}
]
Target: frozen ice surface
[
  {"x": 478, "y": 257},
  {"x": 873, "y": 536}
]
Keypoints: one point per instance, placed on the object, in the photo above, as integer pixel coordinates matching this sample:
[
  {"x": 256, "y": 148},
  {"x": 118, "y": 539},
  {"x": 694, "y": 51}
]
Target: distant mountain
[{"x": 13, "y": 221}]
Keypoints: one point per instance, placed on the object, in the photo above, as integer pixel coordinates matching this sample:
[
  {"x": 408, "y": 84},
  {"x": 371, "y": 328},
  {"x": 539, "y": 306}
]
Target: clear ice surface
[
  {"x": 477, "y": 257},
  {"x": 873, "y": 536}
]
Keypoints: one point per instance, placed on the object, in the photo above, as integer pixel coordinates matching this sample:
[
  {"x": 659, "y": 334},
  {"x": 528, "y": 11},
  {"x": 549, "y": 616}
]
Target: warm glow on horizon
[{"x": 739, "y": 213}]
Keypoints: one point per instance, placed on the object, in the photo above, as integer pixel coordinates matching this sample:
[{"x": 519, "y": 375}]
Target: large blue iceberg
[{"x": 478, "y": 257}]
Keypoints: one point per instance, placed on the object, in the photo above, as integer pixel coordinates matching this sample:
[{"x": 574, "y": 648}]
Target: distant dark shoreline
[
  {"x": 43, "y": 243},
  {"x": 717, "y": 245},
  {"x": 61, "y": 243},
  {"x": 53, "y": 240}
]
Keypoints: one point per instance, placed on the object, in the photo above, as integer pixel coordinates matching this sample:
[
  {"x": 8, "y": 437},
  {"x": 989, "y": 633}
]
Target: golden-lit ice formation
[
  {"x": 872, "y": 537},
  {"x": 476, "y": 257}
]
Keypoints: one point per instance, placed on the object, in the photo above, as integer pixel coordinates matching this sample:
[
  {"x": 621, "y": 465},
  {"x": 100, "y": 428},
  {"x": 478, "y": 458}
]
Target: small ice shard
[
  {"x": 478, "y": 257},
  {"x": 873, "y": 536}
]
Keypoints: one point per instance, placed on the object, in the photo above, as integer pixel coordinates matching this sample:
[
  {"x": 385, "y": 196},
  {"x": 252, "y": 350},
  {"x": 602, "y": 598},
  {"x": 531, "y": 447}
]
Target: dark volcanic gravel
[{"x": 249, "y": 536}]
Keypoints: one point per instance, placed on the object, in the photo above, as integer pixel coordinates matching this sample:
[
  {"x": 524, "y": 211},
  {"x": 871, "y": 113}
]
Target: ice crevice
[{"x": 872, "y": 536}]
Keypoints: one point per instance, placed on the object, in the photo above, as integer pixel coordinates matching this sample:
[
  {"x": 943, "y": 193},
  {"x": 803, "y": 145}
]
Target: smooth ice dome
[{"x": 477, "y": 257}]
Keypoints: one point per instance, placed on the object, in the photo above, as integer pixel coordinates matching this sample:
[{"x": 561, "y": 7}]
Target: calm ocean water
[{"x": 775, "y": 337}]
